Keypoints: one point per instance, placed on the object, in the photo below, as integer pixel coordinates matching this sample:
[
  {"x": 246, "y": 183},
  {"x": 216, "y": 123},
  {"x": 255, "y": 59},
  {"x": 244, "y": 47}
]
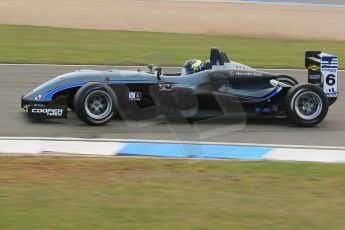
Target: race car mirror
[
  {"x": 159, "y": 72},
  {"x": 329, "y": 72}
]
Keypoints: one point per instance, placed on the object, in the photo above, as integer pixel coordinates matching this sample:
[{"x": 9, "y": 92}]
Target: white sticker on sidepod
[{"x": 134, "y": 96}]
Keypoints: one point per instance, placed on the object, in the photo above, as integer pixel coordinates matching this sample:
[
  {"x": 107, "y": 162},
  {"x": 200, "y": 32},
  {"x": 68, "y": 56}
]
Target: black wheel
[
  {"x": 287, "y": 80},
  {"x": 95, "y": 103},
  {"x": 306, "y": 105}
]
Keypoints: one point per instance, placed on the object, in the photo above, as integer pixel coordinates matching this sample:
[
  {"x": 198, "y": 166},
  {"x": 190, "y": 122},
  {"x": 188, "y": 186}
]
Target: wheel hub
[
  {"x": 308, "y": 105},
  {"x": 98, "y": 104}
]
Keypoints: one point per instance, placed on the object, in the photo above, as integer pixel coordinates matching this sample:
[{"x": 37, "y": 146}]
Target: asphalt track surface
[
  {"x": 16, "y": 80},
  {"x": 284, "y": 2},
  {"x": 281, "y": 2}
]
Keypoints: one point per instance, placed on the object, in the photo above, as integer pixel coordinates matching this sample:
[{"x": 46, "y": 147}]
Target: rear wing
[{"x": 323, "y": 71}]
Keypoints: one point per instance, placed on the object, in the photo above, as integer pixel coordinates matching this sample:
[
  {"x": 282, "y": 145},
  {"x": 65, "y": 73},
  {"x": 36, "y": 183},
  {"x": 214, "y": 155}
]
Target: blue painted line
[
  {"x": 50, "y": 94},
  {"x": 194, "y": 151},
  {"x": 290, "y": 3},
  {"x": 272, "y": 94}
]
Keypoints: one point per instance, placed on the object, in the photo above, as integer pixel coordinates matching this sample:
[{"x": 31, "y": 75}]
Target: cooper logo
[{"x": 49, "y": 112}]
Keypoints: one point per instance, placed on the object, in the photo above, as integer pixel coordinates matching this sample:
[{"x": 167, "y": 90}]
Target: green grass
[
  {"x": 121, "y": 193},
  {"x": 27, "y": 44}
]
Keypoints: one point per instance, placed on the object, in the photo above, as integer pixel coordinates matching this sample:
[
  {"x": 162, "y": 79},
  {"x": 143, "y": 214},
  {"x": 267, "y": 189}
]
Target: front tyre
[
  {"x": 306, "y": 105},
  {"x": 95, "y": 103}
]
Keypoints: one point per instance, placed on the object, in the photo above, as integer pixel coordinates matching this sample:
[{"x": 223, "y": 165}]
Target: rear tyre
[
  {"x": 95, "y": 104},
  {"x": 286, "y": 79},
  {"x": 306, "y": 105}
]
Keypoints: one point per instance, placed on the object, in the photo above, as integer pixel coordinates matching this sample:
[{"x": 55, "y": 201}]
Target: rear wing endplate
[{"x": 323, "y": 71}]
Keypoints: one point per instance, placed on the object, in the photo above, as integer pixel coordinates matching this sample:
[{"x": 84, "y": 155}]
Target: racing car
[{"x": 224, "y": 88}]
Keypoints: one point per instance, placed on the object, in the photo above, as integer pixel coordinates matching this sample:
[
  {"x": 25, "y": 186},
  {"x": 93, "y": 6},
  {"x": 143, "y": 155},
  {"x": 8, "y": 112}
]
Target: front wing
[{"x": 57, "y": 109}]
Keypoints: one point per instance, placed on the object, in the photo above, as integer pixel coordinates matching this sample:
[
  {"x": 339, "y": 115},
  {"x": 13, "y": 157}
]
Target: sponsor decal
[
  {"x": 314, "y": 77},
  {"x": 48, "y": 112},
  {"x": 134, "y": 96},
  {"x": 38, "y": 97},
  {"x": 245, "y": 74},
  {"x": 329, "y": 62},
  {"x": 232, "y": 73},
  {"x": 329, "y": 70},
  {"x": 314, "y": 68}
]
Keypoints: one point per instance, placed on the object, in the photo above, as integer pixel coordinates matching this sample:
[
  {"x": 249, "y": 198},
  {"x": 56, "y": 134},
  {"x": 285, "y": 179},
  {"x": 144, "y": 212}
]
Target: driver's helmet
[{"x": 193, "y": 66}]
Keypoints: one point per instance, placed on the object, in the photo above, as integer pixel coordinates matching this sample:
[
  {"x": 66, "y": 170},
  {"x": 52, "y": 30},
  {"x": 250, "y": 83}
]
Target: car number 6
[{"x": 330, "y": 79}]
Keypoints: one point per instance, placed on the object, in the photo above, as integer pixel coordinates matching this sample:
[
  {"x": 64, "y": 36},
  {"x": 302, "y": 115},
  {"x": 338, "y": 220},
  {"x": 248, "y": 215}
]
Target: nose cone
[
  {"x": 45, "y": 92},
  {"x": 35, "y": 96},
  {"x": 29, "y": 96}
]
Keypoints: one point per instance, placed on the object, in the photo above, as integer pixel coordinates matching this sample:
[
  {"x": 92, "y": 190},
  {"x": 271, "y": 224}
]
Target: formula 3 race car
[{"x": 224, "y": 88}]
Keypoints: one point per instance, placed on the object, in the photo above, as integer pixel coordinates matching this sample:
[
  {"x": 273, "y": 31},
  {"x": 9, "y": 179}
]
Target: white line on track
[
  {"x": 270, "y": 2},
  {"x": 64, "y": 147},
  {"x": 33, "y": 146},
  {"x": 175, "y": 142}
]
